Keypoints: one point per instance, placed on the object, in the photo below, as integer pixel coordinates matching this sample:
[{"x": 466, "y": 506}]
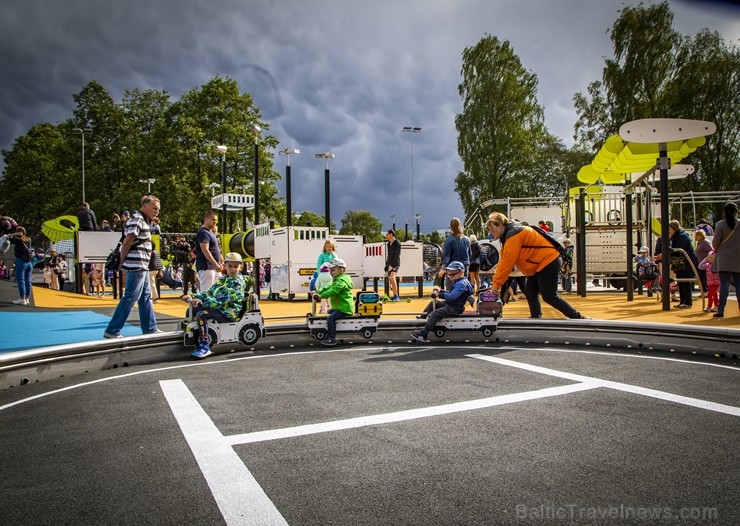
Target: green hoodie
[{"x": 340, "y": 293}]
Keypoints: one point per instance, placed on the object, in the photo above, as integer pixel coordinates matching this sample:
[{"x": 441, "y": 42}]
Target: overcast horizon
[{"x": 332, "y": 75}]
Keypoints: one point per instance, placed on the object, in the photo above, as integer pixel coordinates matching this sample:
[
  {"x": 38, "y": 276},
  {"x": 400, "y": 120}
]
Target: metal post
[
  {"x": 630, "y": 246},
  {"x": 327, "y": 210},
  {"x": 256, "y": 271},
  {"x": 82, "y": 132},
  {"x": 665, "y": 251}
]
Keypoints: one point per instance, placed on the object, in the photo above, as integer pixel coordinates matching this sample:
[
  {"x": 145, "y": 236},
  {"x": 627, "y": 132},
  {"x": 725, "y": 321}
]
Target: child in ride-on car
[
  {"x": 340, "y": 295},
  {"x": 222, "y": 302}
]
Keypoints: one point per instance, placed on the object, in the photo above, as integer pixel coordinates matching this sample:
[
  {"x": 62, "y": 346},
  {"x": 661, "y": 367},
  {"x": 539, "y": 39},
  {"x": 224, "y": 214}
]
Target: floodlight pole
[
  {"x": 289, "y": 211},
  {"x": 412, "y": 130},
  {"x": 327, "y": 208},
  {"x": 82, "y": 132}
]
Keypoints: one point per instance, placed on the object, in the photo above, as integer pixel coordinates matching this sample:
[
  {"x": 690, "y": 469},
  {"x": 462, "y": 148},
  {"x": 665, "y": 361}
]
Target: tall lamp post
[
  {"x": 327, "y": 215},
  {"x": 82, "y": 132},
  {"x": 412, "y": 130},
  {"x": 148, "y": 182},
  {"x": 222, "y": 150},
  {"x": 393, "y": 221},
  {"x": 288, "y": 152},
  {"x": 418, "y": 232},
  {"x": 256, "y": 131}
]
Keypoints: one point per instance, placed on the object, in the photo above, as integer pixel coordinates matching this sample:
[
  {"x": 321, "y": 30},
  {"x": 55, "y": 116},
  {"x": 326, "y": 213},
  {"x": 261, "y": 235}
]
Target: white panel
[{"x": 94, "y": 247}]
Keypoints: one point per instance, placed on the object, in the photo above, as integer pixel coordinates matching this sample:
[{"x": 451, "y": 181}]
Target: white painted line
[
  {"x": 240, "y": 498},
  {"x": 401, "y": 416},
  {"x": 652, "y": 393}
]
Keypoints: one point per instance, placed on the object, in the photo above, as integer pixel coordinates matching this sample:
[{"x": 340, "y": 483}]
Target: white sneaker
[{"x": 20, "y": 301}]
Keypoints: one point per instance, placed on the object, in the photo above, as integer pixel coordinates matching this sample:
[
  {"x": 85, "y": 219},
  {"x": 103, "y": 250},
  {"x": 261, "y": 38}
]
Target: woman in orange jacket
[{"x": 535, "y": 257}]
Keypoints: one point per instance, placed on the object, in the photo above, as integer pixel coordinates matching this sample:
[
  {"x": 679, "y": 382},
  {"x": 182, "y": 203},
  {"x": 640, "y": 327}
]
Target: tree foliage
[
  {"x": 657, "y": 73},
  {"x": 362, "y": 223},
  {"x": 146, "y": 136},
  {"x": 502, "y": 141}
]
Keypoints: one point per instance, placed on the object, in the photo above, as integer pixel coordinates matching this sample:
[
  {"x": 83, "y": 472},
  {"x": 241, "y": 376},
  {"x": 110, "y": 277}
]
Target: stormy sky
[{"x": 328, "y": 75}]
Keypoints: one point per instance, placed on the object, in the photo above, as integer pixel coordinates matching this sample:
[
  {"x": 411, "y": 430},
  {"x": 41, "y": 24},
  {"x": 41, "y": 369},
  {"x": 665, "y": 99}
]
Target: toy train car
[
  {"x": 247, "y": 331},
  {"x": 484, "y": 318},
  {"x": 368, "y": 308}
]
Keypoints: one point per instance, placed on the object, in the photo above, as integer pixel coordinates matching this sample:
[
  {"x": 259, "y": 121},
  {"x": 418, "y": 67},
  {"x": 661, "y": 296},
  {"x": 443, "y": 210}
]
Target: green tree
[
  {"x": 39, "y": 176},
  {"x": 707, "y": 88},
  {"x": 636, "y": 83},
  {"x": 500, "y": 125},
  {"x": 362, "y": 222},
  {"x": 309, "y": 218}
]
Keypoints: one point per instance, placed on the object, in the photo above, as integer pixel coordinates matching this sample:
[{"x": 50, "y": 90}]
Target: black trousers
[{"x": 545, "y": 283}]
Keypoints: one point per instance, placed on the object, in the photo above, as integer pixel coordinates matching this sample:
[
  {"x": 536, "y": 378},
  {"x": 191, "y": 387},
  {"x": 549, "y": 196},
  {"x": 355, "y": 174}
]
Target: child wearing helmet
[
  {"x": 222, "y": 302},
  {"x": 340, "y": 295}
]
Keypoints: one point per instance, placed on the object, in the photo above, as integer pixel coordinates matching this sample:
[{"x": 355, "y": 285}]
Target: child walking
[{"x": 712, "y": 282}]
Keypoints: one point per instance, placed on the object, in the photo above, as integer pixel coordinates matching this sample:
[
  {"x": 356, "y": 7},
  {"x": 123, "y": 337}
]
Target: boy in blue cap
[{"x": 455, "y": 299}]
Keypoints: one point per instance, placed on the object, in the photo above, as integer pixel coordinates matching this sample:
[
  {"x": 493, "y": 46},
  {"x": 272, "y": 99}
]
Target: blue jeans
[
  {"x": 137, "y": 290},
  {"x": 331, "y": 322},
  {"x": 724, "y": 288},
  {"x": 23, "y": 271}
]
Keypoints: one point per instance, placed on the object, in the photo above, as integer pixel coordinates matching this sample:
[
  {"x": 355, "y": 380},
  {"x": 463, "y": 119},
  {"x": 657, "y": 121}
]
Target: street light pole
[
  {"x": 418, "y": 232},
  {"x": 288, "y": 152},
  {"x": 222, "y": 150},
  {"x": 327, "y": 214},
  {"x": 256, "y": 130},
  {"x": 393, "y": 220},
  {"x": 82, "y": 132},
  {"x": 412, "y": 130},
  {"x": 149, "y": 182}
]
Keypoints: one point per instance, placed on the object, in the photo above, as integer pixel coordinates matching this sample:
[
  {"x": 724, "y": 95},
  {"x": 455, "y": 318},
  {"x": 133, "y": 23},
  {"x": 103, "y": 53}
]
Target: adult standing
[
  {"x": 207, "y": 252},
  {"x": 474, "y": 269},
  {"x": 535, "y": 257},
  {"x": 727, "y": 259},
  {"x": 136, "y": 251},
  {"x": 456, "y": 248},
  {"x": 86, "y": 219},
  {"x": 679, "y": 239},
  {"x": 703, "y": 247},
  {"x": 392, "y": 262},
  {"x": 23, "y": 267}
]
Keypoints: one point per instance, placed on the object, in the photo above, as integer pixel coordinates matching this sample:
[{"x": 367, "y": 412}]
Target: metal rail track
[{"x": 23, "y": 367}]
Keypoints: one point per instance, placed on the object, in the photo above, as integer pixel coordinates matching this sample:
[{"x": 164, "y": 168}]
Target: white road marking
[
  {"x": 411, "y": 414},
  {"x": 238, "y": 495},
  {"x": 653, "y": 393}
]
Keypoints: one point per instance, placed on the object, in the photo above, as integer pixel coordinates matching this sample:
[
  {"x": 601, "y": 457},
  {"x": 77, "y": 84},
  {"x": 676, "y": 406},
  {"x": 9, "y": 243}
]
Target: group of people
[
  {"x": 717, "y": 263},
  {"x": 522, "y": 247}
]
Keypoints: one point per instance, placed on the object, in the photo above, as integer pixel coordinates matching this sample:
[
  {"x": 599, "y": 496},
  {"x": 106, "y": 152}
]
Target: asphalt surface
[{"x": 449, "y": 435}]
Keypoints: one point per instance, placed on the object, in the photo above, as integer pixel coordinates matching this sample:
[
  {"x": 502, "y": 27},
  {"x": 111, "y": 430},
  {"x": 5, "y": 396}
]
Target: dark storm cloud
[{"x": 328, "y": 75}]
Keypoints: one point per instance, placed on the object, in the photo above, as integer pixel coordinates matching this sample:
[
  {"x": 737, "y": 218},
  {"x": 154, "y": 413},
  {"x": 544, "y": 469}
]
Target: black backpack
[{"x": 552, "y": 240}]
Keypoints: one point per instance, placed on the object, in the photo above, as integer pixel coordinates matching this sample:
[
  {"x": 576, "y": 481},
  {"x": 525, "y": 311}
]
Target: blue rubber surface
[{"x": 28, "y": 330}]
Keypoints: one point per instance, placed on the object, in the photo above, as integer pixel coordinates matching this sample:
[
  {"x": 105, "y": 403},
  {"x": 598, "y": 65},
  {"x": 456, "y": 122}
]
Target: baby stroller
[{"x": 647, "y": 273}]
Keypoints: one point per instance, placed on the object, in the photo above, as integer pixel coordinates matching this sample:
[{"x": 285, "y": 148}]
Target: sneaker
[
  {"x": 683, "y": 306},
  {"x": 713, "y": 309},
  {"x": 329, "y": 341},
  {"x": 396, "y": 298},
  {"x": 708, "y": 310},
  {"x": 109, "y": 336},
  {"x": 419, "y": 337},
  {"x": 20, "y": 301},
  {"x": 719, "y": 315},
  {"x": 202, "y": 351},
  {"x": 156, "y": 331}
]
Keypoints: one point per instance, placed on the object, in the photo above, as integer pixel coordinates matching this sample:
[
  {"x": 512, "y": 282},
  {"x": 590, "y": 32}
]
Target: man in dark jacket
[{"x": 86, "y": 218}]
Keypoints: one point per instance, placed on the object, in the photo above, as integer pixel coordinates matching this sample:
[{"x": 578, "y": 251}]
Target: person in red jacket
[{"x": 535, "y": 257}]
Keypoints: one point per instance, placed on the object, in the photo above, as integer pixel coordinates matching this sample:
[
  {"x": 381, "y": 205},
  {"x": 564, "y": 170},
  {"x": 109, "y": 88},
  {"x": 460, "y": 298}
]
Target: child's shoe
[{"x": 202, "y": 351}]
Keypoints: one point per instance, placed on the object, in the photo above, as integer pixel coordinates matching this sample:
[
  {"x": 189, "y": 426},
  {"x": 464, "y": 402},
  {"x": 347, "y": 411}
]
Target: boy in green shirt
[{"x": 340, "y": 294}]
